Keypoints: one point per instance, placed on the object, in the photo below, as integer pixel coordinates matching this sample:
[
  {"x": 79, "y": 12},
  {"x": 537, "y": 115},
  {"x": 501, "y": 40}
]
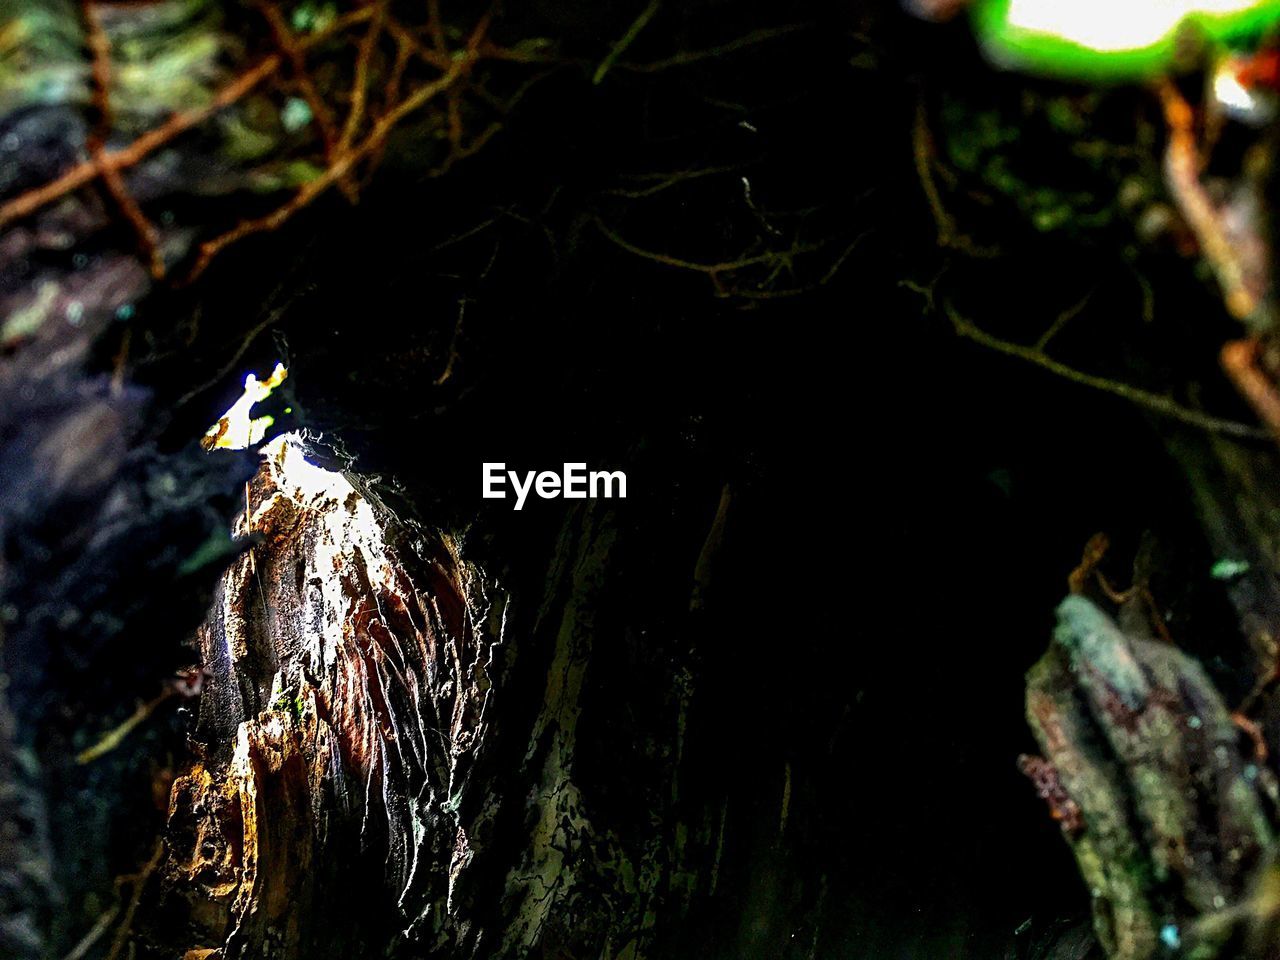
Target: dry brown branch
[
  {"x": 80, "y": 175},
  {"x": 1254, "y": 732},
  {"x": 139, "y": 882},
  {"x": 287, "y": 44},
  {"x": 404, "y": 52},
  {"x": 1094, "y": 551},
  {"x": 435, "y": 27},
  {"x": 665, "y": 181},
  {"x": 447, "y": 372},
  {"x": 407, "y": 47},
  {"x": 355, "y": 114},
  {"x": 779, "y": 259},
  {"x": 145, "y": 232},
  {"x": 346, "y": 159},
  {"x": 314, "y": 188},
  {"x": 437, "y": 57},
  {"x": 354, "y": 147},
  {"x": 826, "y": 278},
  {"x": 1261, "y": 686},
  {"x": 99, "y": 45},
  {"x": 922, "y": 149},
  {"x": 1239, "y": 359},
  {"x": 1182, "y": 171},
  {"x": 1156, "y": 403},
  {"x": 84, "y": 173},
  {"x": 453, "y": 115}
]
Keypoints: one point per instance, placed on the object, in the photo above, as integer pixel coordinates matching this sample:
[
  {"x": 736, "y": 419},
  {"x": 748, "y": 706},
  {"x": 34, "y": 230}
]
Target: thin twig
[
  {"x": 116, "y": 736},
  {"x": 287, "y": 43},
  {"x": 1065, "y": 317},
  {"x": 355, "y": 115},
  {"x": 1094, "y": 550},
  {"x": 763, "y": 35},
  {"x": 712, "y": 269},
  {"x": 453, "y": 345},
  {"x": 100, "y": 927},
  {"x": 143, "y": 229},
  {"x": 627, "y": 39},
  {"x": 139, "y": 881},
  {"x": 391, "y": 93},
  {"x": 343, "y": 163},
  {"x": 922, "y": 150},
  {"x": 78, "y": 176},
  {"x": 437, "y": 57},
  {"x": 435, "y": 27},
  {"x": 1239, "y": 359},
  {"x": 99, "y": 45},
  {"x": 466, "y": 150},
  {"x": 85, "y": 172},
  {"x": 1182, "y": 170},
  {"x": 464, "y": 235},
  {"x": 665, "y": 181},
  {"x": 1154, "y": 402},
  {"x": 818, "y": 284}
]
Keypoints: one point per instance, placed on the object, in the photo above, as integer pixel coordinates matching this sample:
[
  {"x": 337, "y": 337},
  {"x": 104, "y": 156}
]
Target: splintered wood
[{"x": 344, "y": 702}]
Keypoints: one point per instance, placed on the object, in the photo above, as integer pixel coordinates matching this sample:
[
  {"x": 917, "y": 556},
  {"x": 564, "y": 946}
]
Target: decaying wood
[
  {"x": 353, "y": 790},
  {"x": 395, "y": 749},
  {"x": 345, "y": 708},
  {"x": 1167, "y": 820},
  {"x": 347, "y": 733}
]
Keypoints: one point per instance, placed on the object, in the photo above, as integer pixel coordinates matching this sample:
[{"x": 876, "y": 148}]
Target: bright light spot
[
  {"x": 317, "y": 488},
  {"x": 238, "y": 429},
  {"x": 337, "y": 522},
  {"x": 1115, "y": 25},
  {"x": 295, "y": 115},
  {"x": 1229, "y": 91},
  {"x": 1237, "y": 100},
  {"x": 300, "y": 478},
  {"x": 1117, "y": 38}
]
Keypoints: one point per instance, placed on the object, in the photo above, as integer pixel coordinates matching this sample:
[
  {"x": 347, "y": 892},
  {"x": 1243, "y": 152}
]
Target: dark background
[{"x": 906, "y": 505}]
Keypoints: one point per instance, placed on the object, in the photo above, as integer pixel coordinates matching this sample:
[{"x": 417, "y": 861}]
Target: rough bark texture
[
  {"x": 346, "y": 708},
  {"x": 362, "y": 742},
  {"x": 1167, "y": 822}
]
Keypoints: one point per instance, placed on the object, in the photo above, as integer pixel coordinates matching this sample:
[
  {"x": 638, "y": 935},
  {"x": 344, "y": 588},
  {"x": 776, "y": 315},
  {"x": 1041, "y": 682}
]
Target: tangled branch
[
  {"x": 82, "y": 174},
  {"x": 352, "y": 119},
  {"x": 727, "y": 275},
  {"x": 345, "y": 142}
]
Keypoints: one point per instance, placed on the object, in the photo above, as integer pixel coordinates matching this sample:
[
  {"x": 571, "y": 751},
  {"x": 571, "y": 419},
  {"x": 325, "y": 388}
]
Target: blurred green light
[{"x": 1122, "y": 39}]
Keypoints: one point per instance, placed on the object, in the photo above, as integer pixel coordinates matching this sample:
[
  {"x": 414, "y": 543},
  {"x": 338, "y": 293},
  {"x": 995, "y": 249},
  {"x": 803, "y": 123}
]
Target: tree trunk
[{"x": 323, "y": 699}]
